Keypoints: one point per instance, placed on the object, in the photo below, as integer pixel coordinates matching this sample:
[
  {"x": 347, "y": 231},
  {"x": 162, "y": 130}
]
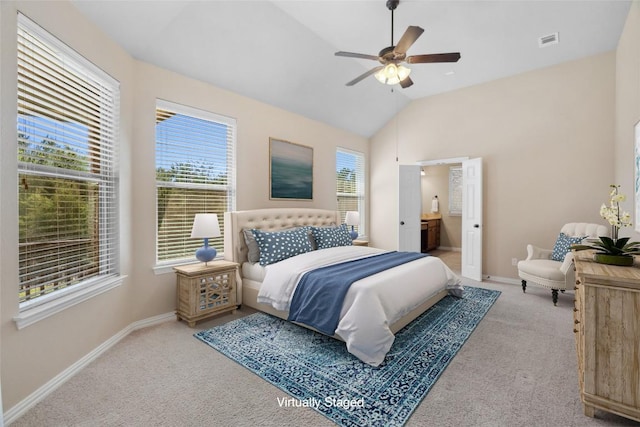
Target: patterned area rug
[{"x": 318, "y": 372}]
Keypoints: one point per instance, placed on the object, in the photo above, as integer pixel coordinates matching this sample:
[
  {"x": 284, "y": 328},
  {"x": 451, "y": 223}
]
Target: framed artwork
[
  {"x": 637, "y": 177},
  {"x": 290, "y": 170}
]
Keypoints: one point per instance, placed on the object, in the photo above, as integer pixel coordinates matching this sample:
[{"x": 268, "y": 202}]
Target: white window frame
[
  {"x": 41, "y": 307},
  {"x": 164, "y": 267},
  {"x": 360, "y": 189},
  {"x": 455, "y": 190}
]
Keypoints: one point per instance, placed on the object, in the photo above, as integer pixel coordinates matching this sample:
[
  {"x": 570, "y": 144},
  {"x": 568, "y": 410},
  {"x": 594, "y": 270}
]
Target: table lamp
[
  {"x": 353, "y": 218},
  {"x": 205, "y": 226}
]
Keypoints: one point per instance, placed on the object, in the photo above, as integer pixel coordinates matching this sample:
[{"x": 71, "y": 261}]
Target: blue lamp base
[
  {"x": 206, "y": 253},
  {"x": 353, "y": 234}
]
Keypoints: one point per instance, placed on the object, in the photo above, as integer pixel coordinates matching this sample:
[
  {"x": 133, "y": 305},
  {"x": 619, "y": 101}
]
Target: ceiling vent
[{"x": 548, "y": 40}]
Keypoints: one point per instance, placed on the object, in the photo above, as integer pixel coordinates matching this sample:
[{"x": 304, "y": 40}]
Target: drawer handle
[
  {"x": 575, "y": 288},
  {"x": 575, "y": 331},
  {"x": 576, "y": 321},
  {"x": 577, "y": 282},
  {"x": 575, "y": 310}
]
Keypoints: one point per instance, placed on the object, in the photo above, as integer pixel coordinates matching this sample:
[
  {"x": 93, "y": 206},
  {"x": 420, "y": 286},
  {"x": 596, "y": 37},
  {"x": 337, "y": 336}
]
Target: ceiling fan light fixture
[
  {"x": 392, "y": 74},
  {"x": 387, "y": 74},
  {"x": 380, "y": 76},
  {"x": 403, "y": 72},
  {"x": 390, "y": 71}
]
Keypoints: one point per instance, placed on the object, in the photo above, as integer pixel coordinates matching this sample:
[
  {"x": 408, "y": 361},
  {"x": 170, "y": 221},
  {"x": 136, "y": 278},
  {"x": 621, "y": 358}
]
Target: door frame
[{"x": 446, "y": 161}]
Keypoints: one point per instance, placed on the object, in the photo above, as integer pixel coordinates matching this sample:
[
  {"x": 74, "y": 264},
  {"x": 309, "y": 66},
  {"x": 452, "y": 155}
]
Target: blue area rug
[{"x": 318, "y": 372}]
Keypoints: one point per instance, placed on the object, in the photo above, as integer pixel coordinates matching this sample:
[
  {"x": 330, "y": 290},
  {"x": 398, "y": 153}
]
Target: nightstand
[
  {"x": 205, "y": 290},
  {"x": 360, "y": 243}
]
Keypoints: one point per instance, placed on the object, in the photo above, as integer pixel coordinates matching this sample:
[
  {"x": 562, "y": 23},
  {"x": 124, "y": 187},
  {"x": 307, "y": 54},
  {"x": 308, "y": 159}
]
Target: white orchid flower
[
  {"x": 603, "y": 210},
  {"x": 617, "y": 220},
  {"x": 618, "y": 198}
]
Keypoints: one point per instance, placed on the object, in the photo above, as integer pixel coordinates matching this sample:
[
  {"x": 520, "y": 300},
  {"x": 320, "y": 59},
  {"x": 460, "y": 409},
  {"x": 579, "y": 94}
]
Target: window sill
[{"x": 43, "y": 307}]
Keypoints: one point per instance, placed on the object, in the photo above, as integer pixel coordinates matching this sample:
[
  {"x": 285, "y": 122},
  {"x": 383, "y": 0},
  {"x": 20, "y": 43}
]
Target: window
[
  {"x": 195, "y": 173},
  {"x": 67, "y": 183},
  {"x": 455, "y": 191},
  {"x": 350, "y": 184}
]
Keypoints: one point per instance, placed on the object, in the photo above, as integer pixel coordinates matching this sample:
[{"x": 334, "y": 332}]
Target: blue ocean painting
[{"x": 291, "y": 171}]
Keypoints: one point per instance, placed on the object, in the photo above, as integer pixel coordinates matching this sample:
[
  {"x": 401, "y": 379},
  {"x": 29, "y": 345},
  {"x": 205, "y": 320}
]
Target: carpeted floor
[
  {"x": 518, "y": 368},
  {"x": 316, "y": 370}
]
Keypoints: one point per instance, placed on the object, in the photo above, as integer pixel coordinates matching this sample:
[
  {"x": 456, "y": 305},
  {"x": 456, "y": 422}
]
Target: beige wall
[
  {"x": 546, "y": 140},
  {"x": 435, "y": 182},
  {"x": 256, "y": 123},
  {"x": 627, "y": 107},
  {"x": 34, "y": 355}
]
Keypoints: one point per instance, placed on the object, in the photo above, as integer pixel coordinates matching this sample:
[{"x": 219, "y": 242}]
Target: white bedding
[
  {"x": 371, "y": 304},
  {"x": 253, "y": 271}
]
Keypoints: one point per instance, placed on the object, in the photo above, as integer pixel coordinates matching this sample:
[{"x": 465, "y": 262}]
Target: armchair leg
[
  {"x": 524, "y": 286},
  {"x": 554, "y": 296}
]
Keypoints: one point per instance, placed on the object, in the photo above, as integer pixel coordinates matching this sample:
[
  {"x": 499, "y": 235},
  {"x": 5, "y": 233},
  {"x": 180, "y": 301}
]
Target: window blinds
[
  {"x": 195, "y": 173},
  {"x": 67, "y": 130},
  {"x": 350, "y": 184},
  {"x": 455, "y": 190}
]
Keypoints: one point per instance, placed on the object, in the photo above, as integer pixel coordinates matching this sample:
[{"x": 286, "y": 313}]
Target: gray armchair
[{"x": 556, "y": 274}]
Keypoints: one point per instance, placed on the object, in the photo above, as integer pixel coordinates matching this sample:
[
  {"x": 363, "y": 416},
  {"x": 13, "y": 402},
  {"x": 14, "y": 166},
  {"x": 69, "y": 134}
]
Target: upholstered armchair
[{"x": 553, "y": 268}]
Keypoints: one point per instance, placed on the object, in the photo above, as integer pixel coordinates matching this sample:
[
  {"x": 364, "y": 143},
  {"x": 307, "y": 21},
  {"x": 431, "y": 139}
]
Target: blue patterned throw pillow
[
  {"x": 278, "y": 245},
  {"x": 329, "y": 237},
  {"x": 563, "y": 246}
]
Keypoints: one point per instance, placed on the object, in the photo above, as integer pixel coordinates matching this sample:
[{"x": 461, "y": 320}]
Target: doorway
[
  {"x": 442, "y": 210},
  {"x": 471, "y": 218}
]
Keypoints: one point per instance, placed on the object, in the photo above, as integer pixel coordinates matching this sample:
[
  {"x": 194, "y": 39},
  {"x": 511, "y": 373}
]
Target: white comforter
[{"x": 372, "y": 304}]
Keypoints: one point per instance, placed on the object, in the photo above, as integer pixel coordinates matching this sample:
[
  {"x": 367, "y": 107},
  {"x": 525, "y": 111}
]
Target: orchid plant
[{"x": 614, "y": 245}]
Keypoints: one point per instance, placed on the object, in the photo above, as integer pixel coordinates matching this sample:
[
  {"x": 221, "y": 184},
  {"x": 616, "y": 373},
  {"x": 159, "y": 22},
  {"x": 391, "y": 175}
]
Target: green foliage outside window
[{"x": 57, "y": 219}]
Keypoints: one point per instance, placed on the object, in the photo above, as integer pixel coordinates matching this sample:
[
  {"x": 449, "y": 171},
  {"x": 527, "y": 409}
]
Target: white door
[
  {"x": 410, "y": 208},
  {"x": 472, "y": 219}
]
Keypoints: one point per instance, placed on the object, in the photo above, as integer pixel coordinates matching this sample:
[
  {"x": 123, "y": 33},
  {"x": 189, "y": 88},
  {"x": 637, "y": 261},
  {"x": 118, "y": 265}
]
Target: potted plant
[{"x": 613, "y": 250}]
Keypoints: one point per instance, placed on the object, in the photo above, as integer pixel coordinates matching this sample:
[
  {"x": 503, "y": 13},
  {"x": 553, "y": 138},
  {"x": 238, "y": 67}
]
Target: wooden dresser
[{"x": 607, "y": 330}]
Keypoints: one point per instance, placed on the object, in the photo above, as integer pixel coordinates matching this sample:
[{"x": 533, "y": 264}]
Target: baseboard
[
  {"x": 23, "y": 406},
  {"x": 152, "y": 321},
  {"x": 447, "y": 248}
]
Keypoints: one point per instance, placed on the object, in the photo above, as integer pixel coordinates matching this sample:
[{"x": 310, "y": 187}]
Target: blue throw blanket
[{"x": 317, "y": 300}]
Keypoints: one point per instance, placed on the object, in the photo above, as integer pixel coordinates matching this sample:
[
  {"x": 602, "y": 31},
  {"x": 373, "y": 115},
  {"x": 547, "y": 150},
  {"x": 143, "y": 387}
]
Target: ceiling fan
[{"x": 391, "y": 71}]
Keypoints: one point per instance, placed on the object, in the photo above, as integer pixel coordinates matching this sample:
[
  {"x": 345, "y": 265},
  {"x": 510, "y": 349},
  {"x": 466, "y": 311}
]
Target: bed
[{"x": 374, "y": 307}]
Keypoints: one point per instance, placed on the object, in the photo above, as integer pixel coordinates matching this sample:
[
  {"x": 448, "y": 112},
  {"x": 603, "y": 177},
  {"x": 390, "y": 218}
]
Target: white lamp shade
[
  {"x": 403, "y": 72},
  {"x": 205, "y": 226},
  {"x": 352, "y": 218}
]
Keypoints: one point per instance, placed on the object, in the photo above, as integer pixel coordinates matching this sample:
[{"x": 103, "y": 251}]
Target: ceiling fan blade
[
  {"x": 365, "y": 75},
  {"x": 406, "y": 82},
  {"x": 434, "y": 57},
  {"x": 356, "y": 55},
  {"x": 408, "y": 38}
]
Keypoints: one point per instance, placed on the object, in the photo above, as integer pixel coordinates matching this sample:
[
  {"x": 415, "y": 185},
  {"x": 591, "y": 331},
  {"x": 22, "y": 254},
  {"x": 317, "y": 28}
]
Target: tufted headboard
[{"x": 235, "y": 248}]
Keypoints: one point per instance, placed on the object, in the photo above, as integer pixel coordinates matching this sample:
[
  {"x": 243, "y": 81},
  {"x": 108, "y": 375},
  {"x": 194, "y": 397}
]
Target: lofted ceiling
[{"x": 282, "y": 52}]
